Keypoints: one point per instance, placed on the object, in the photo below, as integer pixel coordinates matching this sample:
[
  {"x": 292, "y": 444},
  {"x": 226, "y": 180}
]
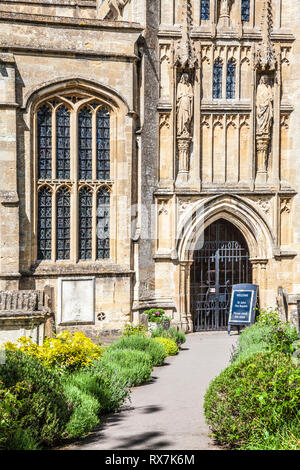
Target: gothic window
[
  {"x": 217, "y": 80},
  {"x": 44, "y": 123},
  {"x": 103, "y": 216},
  {"x": 103, "y": 144},
  {"x": 245, "y": 10},
  {"x": 85, "y": 223},
  {"x": 205, "y": 5},
  {"x": 85, "y": 143},
  {"x": 63, "y": 143},
  {"x": 63, "y": 226},
  {"x": 44, "y": 223},
  {"x": 73, "y": 178},
  {"x": 230, "y": 80}
]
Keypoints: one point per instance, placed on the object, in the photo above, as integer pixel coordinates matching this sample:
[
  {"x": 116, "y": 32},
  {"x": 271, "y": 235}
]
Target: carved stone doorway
[{"x": 221, "y": 262}]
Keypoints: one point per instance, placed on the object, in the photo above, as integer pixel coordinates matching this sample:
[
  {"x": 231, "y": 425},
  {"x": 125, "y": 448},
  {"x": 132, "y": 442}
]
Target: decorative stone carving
[
  {"x": 185, "y": 101},
  {"x": 265, "y": 58},
  {"x": 264, "y": 107},
  {"x": 184, "y": 153},
  {"x": 112, "y": 9},
  {"x": 264, "y": 204},
  {"x": 264, "y": 121},
  {"x": 185, "y": 56},
  {"x": 285, "y": 206},
  {"x": 26, "y": 301},
  {"x": 225, "y": 6}
]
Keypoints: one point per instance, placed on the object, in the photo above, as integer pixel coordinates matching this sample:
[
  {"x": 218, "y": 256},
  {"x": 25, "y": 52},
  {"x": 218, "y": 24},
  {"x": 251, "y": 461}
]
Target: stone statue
[
  {"x": 185, "y": 98},
  {"x": 264, "y": 120},
  {"x": 264, "y": 107}
]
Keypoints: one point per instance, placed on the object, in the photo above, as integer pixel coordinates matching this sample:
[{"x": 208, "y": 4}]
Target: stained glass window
[
  {"x": 44, "y": 122},
  {"x": 63, "y": 218},
  {"x": 245, "y": 10},
  {"x": 103, "y": 215},
  {"x": 217, "y": 80},
  {"x": 62, "y": 143},
  {"x": 230, "y": 81},
  {"x": 44, "y": 223},
  {"x": 85, "y": 223},
  {"x": 205, "y": 9},
  {"x": 103, "y": 144},
  {"x": 85, "y": 143}
]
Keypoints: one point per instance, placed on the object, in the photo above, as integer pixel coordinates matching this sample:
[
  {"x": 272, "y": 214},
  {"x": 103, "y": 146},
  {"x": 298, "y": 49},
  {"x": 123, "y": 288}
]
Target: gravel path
[{"x": 167, "y": 413}]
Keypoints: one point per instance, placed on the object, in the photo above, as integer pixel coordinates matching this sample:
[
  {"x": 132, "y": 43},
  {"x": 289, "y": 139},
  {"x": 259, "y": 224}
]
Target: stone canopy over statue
[
  {"x": 264, "y": 107},
  {"x": 185, "y": 99}
]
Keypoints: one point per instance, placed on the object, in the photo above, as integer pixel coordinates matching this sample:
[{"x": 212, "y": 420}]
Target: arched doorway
[{"x": 221, "y": 261}]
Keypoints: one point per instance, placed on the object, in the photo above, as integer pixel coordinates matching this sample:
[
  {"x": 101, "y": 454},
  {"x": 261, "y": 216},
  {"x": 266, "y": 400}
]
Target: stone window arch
[
  {"x": 245, "y": 12},
  {"x": 73, "y": 177},
  {"x": 230, "y": 79},
  {"x": 217, "y": 79},
  {"x": 205, "y": 9}
]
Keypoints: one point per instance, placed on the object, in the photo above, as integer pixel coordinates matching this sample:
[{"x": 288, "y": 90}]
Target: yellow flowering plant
[{"x": 66, "y": 351}]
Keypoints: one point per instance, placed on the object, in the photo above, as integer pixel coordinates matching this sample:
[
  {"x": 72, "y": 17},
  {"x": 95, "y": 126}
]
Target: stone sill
[
  {"x": 70, "y": 22},
  {"x": 77, "y": 323},
  {"x": 71, "y": 269},
  {"x": 74, "y": 3}
]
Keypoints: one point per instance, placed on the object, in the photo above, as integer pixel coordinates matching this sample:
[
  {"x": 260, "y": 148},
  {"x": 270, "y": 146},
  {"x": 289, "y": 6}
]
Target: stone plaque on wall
[{"x": 76, "y": 300}]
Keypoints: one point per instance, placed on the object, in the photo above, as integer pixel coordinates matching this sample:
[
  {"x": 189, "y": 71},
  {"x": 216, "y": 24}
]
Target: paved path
[{"x": 167, "y": 412}]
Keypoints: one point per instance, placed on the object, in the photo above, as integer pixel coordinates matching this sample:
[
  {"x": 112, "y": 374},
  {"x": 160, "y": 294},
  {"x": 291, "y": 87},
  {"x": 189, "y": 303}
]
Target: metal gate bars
[{"x": 221, "y": 262}]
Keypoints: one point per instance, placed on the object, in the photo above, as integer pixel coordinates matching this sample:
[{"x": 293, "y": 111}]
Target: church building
[{"x": 148, "y": 156}]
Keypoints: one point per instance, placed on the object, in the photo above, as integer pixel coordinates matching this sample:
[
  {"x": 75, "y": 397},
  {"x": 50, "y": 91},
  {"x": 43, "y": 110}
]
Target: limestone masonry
[{"x": 149, "y": 158}]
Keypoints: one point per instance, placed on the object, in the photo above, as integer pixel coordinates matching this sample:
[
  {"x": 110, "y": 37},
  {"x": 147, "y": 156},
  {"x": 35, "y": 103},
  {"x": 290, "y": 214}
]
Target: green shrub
[
  {"x": 170, "y": 346},
  {"x": 131, "y": 329},
  {"x": 252, "y": 397},
  {"x": 86, "y": 407},
  {"x": 12, "y": 436},
  {"x": 142, "y": 343},
  {"x": 177, "y": 336},
  {"x": 133, "y": 366},
  {"x": 262, "y": 337},
  {"x": 42, "y": 408}
]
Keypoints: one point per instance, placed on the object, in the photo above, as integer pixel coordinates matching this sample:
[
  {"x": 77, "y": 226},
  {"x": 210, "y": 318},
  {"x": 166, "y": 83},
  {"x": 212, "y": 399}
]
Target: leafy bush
[
  {"x": 42, "y": 409},
  {"x": 156, "y": 315},
  {"x": 170, "y": 346},
  {"x": 263, "y": 337},
  {"x": 269, "y": 317},
  {"x": 141, "y": 343},
  {"x": 133, "y": 366},
  {"x": 86, "y": 409},
  {"x": 252, "y": 397},
  {"x": 178, "y": 336},
  {"x": 66, "y": 351},
  {"x": 131, "y": 330},
  {"x": 12, "y": 436}
]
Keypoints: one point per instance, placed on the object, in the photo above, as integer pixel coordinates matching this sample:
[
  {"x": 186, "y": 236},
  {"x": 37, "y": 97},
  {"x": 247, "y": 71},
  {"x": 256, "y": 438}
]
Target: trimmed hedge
[
  {"x": 176, "y": 335},
  {"x": 141, "y": 343},
  {"x": 254, "y": 396},
  {"x": 170, "y": 346},
  {"x": 133, "y": 366}
]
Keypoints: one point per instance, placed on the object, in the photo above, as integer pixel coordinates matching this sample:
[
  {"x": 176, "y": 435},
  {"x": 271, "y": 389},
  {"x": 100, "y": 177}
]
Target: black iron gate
[{"x": 222, "y": 261}]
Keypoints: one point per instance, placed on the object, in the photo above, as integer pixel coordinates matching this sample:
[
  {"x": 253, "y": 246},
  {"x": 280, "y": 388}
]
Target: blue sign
[{"x": 242, "y": 306}]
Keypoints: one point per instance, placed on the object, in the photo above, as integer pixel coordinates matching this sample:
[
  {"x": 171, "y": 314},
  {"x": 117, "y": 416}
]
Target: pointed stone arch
[{"x": 236, "y": 210}]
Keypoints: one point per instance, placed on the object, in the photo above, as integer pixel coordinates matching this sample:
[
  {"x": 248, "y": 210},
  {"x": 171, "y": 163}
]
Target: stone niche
[{"x": 76, "y": 300}]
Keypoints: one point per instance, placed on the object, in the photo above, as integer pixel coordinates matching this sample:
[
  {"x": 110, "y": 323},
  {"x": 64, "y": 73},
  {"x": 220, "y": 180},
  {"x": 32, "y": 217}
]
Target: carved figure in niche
[
  {"x": 264, "y": 106},
  {"x": 185, "y": 98}
]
